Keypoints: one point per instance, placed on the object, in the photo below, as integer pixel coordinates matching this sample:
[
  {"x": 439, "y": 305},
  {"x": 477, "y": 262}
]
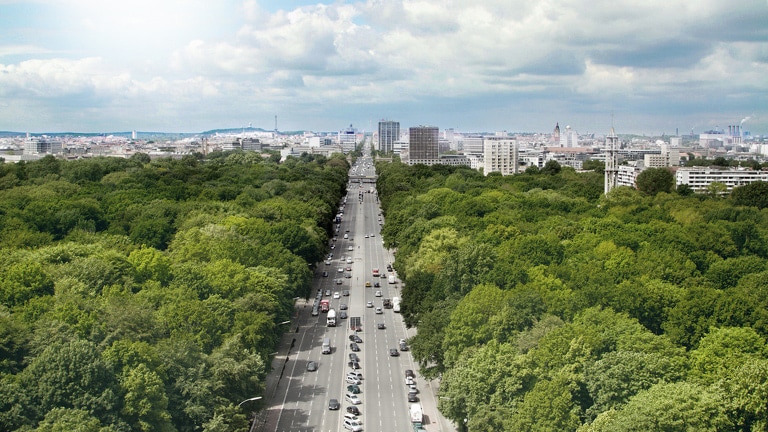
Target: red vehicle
[
  {"x": 325, "y": 305},
  {"x": 375, "y": 272}
]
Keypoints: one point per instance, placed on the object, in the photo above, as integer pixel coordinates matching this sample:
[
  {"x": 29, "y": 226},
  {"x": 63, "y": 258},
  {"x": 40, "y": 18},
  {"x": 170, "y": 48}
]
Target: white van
[
  {"x": 327, "y": 346},
  {"x": 346, "y": 236}
]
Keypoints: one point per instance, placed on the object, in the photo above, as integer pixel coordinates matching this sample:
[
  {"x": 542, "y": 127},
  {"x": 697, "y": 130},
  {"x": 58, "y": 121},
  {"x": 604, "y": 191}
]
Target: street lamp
[{"x": 249, "y": 399}]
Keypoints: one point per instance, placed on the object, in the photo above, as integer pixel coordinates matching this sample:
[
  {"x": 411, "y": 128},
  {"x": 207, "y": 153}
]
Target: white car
[
  {"x": 349, "y": 261},
  {"x": 336, "y": 295},
  {"x": 369, "y": 304},
  {"x": 353, "y": 399},
  {"x": 351, "y": 380},
  {"x": 379, "y": 311},
  {"x": 378, "y": 294}
]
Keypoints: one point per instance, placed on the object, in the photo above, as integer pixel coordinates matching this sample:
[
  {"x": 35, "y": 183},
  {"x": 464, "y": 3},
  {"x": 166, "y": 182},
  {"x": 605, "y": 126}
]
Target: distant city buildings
[
  {"x": 700, "y": 178},
  {"x": 348, "y": 139},
  {"x": 389, "y": 134}
]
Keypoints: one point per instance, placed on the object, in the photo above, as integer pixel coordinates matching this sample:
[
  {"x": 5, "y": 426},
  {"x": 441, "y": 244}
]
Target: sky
[{"x": 644, "y": 67}]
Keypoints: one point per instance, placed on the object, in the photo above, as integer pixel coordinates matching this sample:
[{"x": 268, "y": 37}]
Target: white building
[
  {"x": 472, "y": 145},
  {"x": 500, "y": 155},
  {"x": 569, "y": 138},
  {"x": 348, "y": 139},
  {"x": 699, "y": 178},
  {"x": 667, "y": 158}
]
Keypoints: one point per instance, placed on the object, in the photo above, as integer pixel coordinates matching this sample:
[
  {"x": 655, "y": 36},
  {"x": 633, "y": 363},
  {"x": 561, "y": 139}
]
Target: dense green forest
[
  {"x": 146, "y": 295},
  {"x": 543, "y": 305}
]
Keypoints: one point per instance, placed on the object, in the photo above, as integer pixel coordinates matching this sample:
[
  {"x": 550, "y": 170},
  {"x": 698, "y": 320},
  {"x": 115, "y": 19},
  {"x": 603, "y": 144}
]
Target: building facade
[
  {"x": 423, "y": 145},
  {"x": 500, "y": 155},
  {"x": 389, "y": 133},
  {"x": 699, "y": 178},
  {"x": 348, "y": 139}
]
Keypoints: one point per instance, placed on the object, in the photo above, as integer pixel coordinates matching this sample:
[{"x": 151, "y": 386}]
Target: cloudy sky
[{"x": 472, "y": 65}]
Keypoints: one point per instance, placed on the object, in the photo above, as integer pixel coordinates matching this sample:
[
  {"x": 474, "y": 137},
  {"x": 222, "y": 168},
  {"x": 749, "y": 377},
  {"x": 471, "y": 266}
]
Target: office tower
[
  {"x": 389, "y": 133},
  {"x": 422, "y": 148}
]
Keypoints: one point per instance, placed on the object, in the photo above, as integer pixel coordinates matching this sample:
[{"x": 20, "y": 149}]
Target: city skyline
[{"x": 651, "y": 68}]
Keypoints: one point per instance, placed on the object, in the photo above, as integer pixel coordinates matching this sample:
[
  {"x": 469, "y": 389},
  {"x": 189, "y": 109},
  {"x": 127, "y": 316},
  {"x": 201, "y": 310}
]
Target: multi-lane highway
[{"x": 300, "y": 400}]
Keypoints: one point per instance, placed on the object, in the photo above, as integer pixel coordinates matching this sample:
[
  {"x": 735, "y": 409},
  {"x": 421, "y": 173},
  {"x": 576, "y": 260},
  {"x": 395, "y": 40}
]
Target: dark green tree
[{"x": 654, "y": 180}]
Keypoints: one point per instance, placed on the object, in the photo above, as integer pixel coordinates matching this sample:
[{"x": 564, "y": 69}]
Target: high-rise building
[
  {"x": 422, "y": 147},
  {"x": 556, "y": 134},
  {"x": 570, "y": 138},
  {"x": 500, "y": 155},
  {"x": 348, "y": 139},
  {"x": 389, "y": 133}
]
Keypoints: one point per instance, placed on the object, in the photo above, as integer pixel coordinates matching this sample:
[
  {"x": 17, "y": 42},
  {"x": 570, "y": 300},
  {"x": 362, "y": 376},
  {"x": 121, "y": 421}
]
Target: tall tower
[
  {"x": 389, "y": 133},
  {"x": 556, "y": 134},
  {"x": 611, "y": 161},
  {"x": 423, "y": 147}
]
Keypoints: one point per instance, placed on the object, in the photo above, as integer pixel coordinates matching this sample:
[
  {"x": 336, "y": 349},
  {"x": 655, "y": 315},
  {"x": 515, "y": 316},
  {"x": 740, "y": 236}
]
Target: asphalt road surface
[{"x": 299, "y": 401}]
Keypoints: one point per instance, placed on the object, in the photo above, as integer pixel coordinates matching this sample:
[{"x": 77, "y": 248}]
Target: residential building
[
  {"x": 699, "y": 178},
  {"x": 500, "y": 155}
]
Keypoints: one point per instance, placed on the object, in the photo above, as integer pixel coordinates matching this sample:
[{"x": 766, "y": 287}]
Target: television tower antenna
[{"x": 275, "y": 122}]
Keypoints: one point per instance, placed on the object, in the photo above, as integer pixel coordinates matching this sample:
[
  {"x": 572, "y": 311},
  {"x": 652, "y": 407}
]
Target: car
[
  {"x": 348, "y": 275},
  {"x": 409, "y": 373},
  {"x": 334, "y": 404},
  {"x": 327, "y": 292},
  {"x": 350, "y": 248},
  {"x": 353, "y": 388},
  {"x": 409, "y": 381},
  {"x": 328, "y": 261},
  {"x": 366, "y": 236},
  {"x": 354, "y": 347},
  {"x": 354, "y": 357},
  {"x": 349, "y": 260},
  {"x": 412, "y": 397},
  {"x": 377, "y": 293},
  {"x": 352, "y": 398},
  {"x": 379, "y": 311},
  {"x": 336, "y": 295},
  {"x": 367, "y": 284},
  {"x": 355, "y": 339},
  {"x": 357, "y": 375},
  {"x": 315, "y": 312},
  {"x": 311, "y": 366},
  {"x": 373, "y": 235},
  {"x": 351, "y": 380},
  {"x": 383, "y": 275},
  {"x": 345, "y": 293},
  {"x": 352, "y": 426},
  {"x": 369, "y": 304},
  {"x": 339, "y": 281},
  {"x": 381, "y": 326},
  {"x": 376, "y": 284},
  {"x": 343, "y": 306},
  {"x": 325, "y": 274},
  {"x": 353, "y": 410},
  {"x": 348, "y": 268},
  {"x": 393, "y": 352},
  {"x": 333, "y": 246},
  {"x": 403, "y": 346},
  {"x": 340, "y": 270},
  {"x": 354, "y": 365},
  {"x": 343, "y": 315}
]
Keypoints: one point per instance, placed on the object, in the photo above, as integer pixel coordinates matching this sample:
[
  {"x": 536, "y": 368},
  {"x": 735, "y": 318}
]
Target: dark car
[
  {"x": 394, "y": 352},
  {"x": 325, "y": 274},
  {"x": 334, "y": 404},
  {"x": 403, "y": 346},
  {"x": 343, "y": 315},
  {"x": 353, "y": 346},
  {"x": 343, "y": 306},
  {"x": 327, "y": 293},
  {"x": 354, "y": 389},
  {"x": 412, "y": 397},
  {"x": 355, "y": 338},
  {"x": 353, "y": 410},
  {"x": 354, "y": 365},
  {"x": 381, "y": 326},
  {"x": 376, "y": 284},
  {"x": 354, "y": 357},
  {"x": 345, "y": 293},
  {"x": 409, "y": 374},
  {"x": 311, "y": 366}
]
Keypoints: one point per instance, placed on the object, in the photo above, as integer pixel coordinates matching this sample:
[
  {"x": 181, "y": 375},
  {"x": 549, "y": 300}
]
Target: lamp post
[{"x": 249, "y": 399}]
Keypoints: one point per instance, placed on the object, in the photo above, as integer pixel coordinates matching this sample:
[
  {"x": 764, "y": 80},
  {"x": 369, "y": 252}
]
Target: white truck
[
  {"x": 396, "y": 304},
  {"x": 331, "y": 318},
  {"x": 417, "y": 415}
]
